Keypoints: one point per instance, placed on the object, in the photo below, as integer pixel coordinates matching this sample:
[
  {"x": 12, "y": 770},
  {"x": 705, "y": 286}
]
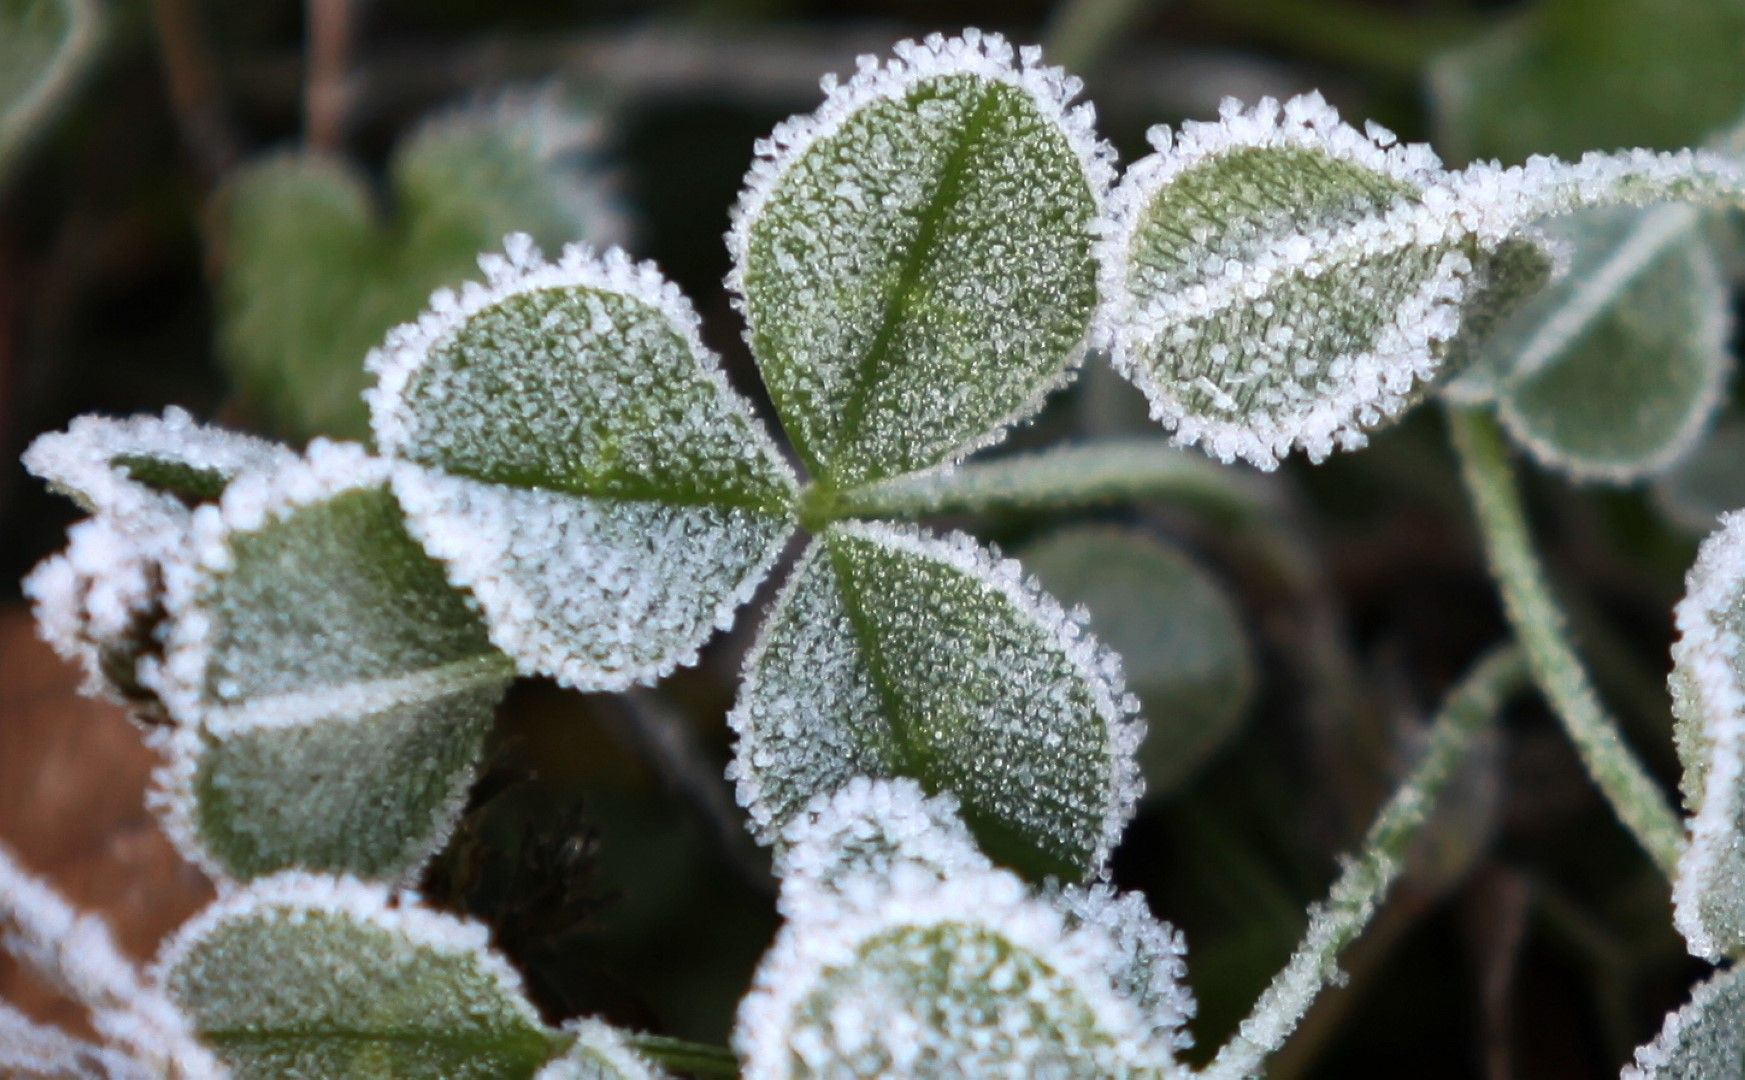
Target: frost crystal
[
  {"x": 914, "y": 259},
  {"x": 574, "y": 455},
  {"x": 333, "y": 690},
  {"x": 909, "y": 974},
  {"x": 1704, "y": 1040},
  {"x": 1149, "y": 966},
  {"x": 891, "y": 652},
  {"x": 599, "y": 1052},
  {"x": 304, "y": 975},
  {"x": 1708, "y": 691}
]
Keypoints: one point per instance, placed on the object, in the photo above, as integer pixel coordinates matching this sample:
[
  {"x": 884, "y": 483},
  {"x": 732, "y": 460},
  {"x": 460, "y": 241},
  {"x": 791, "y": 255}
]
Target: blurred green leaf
[
  {"x": 1179, "y": 635},
  {"x": 1709, "y": 482},
  {"x": 315, "y": 268},
  {"x": 1572, "y": 75},
  {"x": 44, "y": 45}
]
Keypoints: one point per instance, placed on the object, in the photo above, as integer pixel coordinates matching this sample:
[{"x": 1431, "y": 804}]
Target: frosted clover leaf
[
  {"x": 914, "y": 260},
  {"x": 889, "y": 966},
  {"x": 1708, "y": 690},
  {"x": 1703, "y": 1040},
  {"x": 1280, "y": 280},
  {"x": 599, "y": 1052},
  {"x": 332, "y": 690},
  {"x": 571, "y": 450},
  {"x": 892, "y": 652}
]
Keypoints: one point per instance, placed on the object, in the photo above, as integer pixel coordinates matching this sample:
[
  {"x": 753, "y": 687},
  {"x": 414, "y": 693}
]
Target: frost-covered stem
[
  {"x": 1363, "y": 882},
  {"x": 1539, "y": 622},
  {"x": 1065, "y": 477},
  {"x": 694, "y": 1059}
]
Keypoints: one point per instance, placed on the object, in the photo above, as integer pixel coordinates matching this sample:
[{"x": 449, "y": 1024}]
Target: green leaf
[
  {"x": 1276, "y": 279},
  {"x": 1179, "y": 635},
  {"x": 1572, "y": 75},
  {"x": 903, "y": 972},
  {"x": 1708, "y": 482},
  {"x": 1708, "y": 699},
  {"x": 599, "y": 1052},
  {"x": 303, "y": 975},
  {"x": 914, "y": 260},
  {"x": 1704, "y": 1040},
  {"x": 892, "y": 652},
  {"x": 1614, "y": 371},
  {"x": 572, "y": 451},
  {"x": 333, "y": 690},
  {"x": 314, "y": 272},
  {"x": 44, "y": 47}
]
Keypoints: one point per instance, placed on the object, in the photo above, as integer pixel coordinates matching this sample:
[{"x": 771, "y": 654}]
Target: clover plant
[{"x": 562, "y": 482}]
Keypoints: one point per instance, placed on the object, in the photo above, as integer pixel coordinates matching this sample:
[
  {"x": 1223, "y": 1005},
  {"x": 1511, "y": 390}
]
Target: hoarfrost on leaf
[
  {"x": 1703, "y": 1040},
  {"x": 572, "y": 452},
  {"x": 1148, "y": 964},
  {"x": 333, "y": 690},
  {"x": 892, "y": 652},
  {"x": 911, "y": 974},
  {"x": 599, "y": 1052},
  {"x": 1708, "y": 697},
  {"x": 914, "y": 260},
  {"x": 307, "y": 975}
]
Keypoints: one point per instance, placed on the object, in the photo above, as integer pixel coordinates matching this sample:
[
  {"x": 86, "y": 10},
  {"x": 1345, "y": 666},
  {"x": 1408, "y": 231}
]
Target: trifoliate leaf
[
  {"x": 313, "y": 273},
  {"x": 1176, "y": 631},
  {"x": 576, "y": 457},
  {"x": 1708, "y": 698},
  {"x": 914, "y": 259},
  {"x": 1276, "y": 279},
  {"x": 1564, "y": 76},
  {"x": 1704, "y": 1040},
  {"x": 869, "y": 827},
  {"x": 1614, "y": 372},
  {"x": 303, "y": 975},
  {"x": 1148, "y": 964},
  {"x": 914, "y": 975},
  {"x": 599, "y": 1052},
  {"x": 147, "y": 464},
  {"x": 334, "y": 690},
  {"x": 1707, "y": 482},
  {"x": 44, "y": 46},
  {"x": 892, "y": 652}
]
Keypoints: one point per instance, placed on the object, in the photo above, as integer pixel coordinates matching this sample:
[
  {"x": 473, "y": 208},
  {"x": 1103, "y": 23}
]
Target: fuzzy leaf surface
[
  {"x": 573, "y": 453},
  {"x": 302, "y": 975},
  {"x": 334, "y": 690},
  {"x": 914, "y": 259},
  {"x": 892, "y": 652}
]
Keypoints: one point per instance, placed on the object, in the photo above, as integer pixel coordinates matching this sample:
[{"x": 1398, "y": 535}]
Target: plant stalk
[
  {"x": 1540, "y": 624},
  {"x": 1365, "y": 880},
  {"x": 694, "y": 1059}
]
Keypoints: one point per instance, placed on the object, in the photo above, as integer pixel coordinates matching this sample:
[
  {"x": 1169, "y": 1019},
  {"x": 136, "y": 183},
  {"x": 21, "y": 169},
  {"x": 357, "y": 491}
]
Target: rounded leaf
[
  {"x": 574, "y": 455},
  {"x": 914, "y": 259},
  {"x": 1177, "y": 631},
  {"x": 1707, "y": 482},
  {"x": 1703, "y": 1040},
  {"x": 599, "y": 1052},
  {"x": 303, "y": 975},
  {"x": 45, "y": 45},
  {"x": 333, "y": 690},
  {"x": 1708, "y": 692},
  {"x": 892, "y": 652}
]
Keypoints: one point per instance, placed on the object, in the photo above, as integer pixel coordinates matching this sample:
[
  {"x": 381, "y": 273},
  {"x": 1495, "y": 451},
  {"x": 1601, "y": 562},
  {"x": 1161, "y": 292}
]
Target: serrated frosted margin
[
  {"x": 830, "y": 937},
  {"x": 989, "y": 56},
  {"x": 77, "y": 461},
  {"x": 1652, "y": 1059},
  {"x": 523, "y": 269},
  {"x": 870, "y": 826},
  {"x": 1149, "y": 957},
  {"x": 1704, "y": 656},
  {"x": 76, "y": 953},
  {"x": 295, "y": 893},
  {"x": 604, "y": 1043}
]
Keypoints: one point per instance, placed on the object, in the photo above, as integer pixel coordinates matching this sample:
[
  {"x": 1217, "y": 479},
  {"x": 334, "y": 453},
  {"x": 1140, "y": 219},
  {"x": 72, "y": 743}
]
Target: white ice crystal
[
  {"x": 570, "y": 449},
  {"x": 600, "y": 1052},
  {"x": 310, "y": 975},
  {"x": 1708, "y": 689},
  {"x": 892, "y": 652},
  {"x": 1703, "y": 1040},
  {"x": 914, "y": 258},
  {"x": 333, "y": 690}
]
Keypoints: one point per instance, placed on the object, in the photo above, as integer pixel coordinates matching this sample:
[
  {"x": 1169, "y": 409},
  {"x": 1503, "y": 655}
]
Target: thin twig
[
  {"x": 201, "y": 116},
  {"x": 1533, "y": 612},
  {"x": 327, "y": 91},
  {"x": 1365, "y": 880}
]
